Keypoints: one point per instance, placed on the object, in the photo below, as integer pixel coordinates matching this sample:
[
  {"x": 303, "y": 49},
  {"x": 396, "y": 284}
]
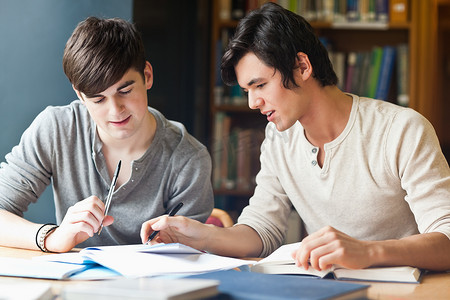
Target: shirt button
[
  {"x": 136, "y": 169},
  {"x": 314, "y": 162},
  {"x": 314, "y": 150}
]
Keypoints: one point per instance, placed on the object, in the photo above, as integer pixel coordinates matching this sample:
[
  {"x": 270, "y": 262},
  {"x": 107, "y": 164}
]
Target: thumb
[{"x": 108, "y": 220}]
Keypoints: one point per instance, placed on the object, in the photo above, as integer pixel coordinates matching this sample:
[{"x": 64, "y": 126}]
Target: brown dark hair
[
  {"x": 275, "y": 35},
  {"x": 100, "y": 51}
]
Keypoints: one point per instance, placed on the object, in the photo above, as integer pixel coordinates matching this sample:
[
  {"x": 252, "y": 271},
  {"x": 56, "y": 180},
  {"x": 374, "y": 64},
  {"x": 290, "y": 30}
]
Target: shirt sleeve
[
  {"x": 193, "y": 186},
  {"x": 422, "y": 168},
  {"x": 269, "y": 207},
  {"x": 27, "y": 170}
]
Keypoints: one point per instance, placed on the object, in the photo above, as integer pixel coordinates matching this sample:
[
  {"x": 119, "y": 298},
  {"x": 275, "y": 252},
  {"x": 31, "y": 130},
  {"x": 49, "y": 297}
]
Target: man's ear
[
  {"x": 304, "y": 65},
  {"x": 78, "y": 94},
  {"x": 148, "y": 75}
]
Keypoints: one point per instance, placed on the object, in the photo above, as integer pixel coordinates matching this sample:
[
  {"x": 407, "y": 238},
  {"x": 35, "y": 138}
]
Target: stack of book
[
  {"x": 364, "y": 11},
  {"x": 381, "y": 73},
  {"x": 235, "y": 154}
]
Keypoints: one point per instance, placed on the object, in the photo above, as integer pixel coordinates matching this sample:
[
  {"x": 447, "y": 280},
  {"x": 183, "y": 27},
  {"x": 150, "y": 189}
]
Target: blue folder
[{"x": 242, "y": 285}]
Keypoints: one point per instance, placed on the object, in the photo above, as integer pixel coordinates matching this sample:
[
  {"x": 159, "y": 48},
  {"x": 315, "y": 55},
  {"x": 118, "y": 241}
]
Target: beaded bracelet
[{"x": 42, "y": 234}]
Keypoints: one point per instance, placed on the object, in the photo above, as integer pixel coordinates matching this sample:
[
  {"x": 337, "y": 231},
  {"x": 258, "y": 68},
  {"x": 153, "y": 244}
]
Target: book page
[
  {"x": 148, "y": 260},
  {"x": 152, "y": 264},
  {"x": 281, "y": 255},
  {"x": 393, "y": 274},
  {"x": 281, "y": 262}
]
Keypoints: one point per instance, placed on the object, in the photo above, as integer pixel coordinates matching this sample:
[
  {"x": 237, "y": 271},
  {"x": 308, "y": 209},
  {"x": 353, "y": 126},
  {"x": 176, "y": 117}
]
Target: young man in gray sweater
[
  {"x": 367, "y": 177},
  {"x": 77, "y": 147}
]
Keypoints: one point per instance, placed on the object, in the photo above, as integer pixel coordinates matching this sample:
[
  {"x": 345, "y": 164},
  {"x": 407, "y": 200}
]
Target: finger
[
  {"x": 73, "y": 229},
  {"x": 93, "y": 205},
  {"x": 108, "y": 220},
  {"x": 316, "y": 255},
  {"x": 85, "y": 217},
  {"x": 98, "y": 208},
  {"x": 296, "y": 256},
  {"x": 326, "y": 261},
  {"x": 308, "y": 245},
  {"x": 160, "y": 223},
  {"x": 146, "y": 229}
]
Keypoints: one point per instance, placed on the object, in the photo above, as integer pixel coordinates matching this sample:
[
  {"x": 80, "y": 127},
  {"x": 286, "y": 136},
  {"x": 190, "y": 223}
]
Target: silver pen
[{"x": 111, "y": 191}]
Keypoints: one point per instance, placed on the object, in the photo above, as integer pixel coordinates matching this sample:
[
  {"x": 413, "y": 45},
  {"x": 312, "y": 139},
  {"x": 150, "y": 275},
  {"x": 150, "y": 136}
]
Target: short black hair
[
  {"x": 275, "y": 35},
  {"x": 100, "y": 51}
]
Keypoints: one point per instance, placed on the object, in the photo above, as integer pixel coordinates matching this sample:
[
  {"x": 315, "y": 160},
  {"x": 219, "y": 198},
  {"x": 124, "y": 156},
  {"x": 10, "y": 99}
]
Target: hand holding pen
[
  {"x": 110, "y": 193},
  {"x": 171, "y": 214}
]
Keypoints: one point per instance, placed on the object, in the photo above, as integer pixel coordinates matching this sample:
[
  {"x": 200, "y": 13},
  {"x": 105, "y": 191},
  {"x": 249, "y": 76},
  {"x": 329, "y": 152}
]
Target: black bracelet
[{"x": 37, "y": 238}]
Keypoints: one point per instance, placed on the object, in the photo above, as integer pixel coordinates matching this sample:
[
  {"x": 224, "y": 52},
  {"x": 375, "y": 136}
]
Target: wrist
[
  {"x": 380, "y": 253},
  {"x": 208, "y": 240},
  {"x": 41, "y": 235}
]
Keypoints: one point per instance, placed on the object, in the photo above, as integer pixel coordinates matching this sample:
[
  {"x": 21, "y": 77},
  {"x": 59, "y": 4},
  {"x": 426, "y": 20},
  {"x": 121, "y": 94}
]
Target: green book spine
[{"x": 375, "y": 66}]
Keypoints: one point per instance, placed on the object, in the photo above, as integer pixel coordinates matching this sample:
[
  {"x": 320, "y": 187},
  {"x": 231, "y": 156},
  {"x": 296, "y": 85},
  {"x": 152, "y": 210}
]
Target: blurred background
[{"x": 184, "y": 40}]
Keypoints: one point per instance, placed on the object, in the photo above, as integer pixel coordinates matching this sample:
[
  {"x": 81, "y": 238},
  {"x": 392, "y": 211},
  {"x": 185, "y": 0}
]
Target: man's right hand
[
  {"x": 177, "y": 229},
  {"x": 81, "y": 221}
]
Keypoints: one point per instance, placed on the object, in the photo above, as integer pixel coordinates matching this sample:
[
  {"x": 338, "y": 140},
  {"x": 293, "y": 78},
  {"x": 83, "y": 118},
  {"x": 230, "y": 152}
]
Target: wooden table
[{"x": 433, "y": 285}]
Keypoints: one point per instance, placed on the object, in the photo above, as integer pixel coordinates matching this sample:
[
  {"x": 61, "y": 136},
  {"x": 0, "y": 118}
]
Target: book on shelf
[
  {"x": 361, "y": 77},
  {"x": 142, "y": 288},
  {"x": 398, "y": 10},
  {"x": 243, "y": 161},
  {"x": 339, "y": 11},
  {"x": 225, "y": 153},
  {"x": 281, "y": 262},
  {"x": 353, "y": 13},
  {"x": 351, "y": 66},
  {"x": 248, "y": 285},
  {"x": 217, "y": 148},
  {"x": 402, "y": 77},
  {"x": 374, "y": 74},
  {"x": 386, "y": 71},
  {"x": 235, "y": 154},
  {"x": 338, "y": 61},
  {"x": 224, "y": 9},
  {"x": 367, "y": 10},
  {"x": 382, "y": 9}
]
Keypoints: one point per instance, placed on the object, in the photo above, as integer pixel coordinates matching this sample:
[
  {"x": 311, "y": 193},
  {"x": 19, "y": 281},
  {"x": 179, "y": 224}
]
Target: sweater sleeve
[
  {"x": 193, "y": 186},
  {"x": 422, "y": 169},
  {"x": 269, "y": 207},
  {"x": 27, "y": 170}
]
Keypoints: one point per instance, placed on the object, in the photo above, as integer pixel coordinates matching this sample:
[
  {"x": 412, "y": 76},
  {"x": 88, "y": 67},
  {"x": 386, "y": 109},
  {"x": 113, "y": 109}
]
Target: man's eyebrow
[
  {"x": 124, "y": 85},
  {"x": 253, "y": 81}
]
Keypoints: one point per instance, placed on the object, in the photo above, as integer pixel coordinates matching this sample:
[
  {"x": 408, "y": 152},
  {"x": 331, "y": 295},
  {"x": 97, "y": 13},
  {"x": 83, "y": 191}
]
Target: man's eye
[
  {"x": 125, "y": 92},
  {"x": 261, "y": 85},
  {"x": 98, "y": 101}
]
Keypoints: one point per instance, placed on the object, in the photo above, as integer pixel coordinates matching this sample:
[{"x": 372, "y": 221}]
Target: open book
[
  {"x": 142, "y": 261},
  {"x": 281, "y": 262}
]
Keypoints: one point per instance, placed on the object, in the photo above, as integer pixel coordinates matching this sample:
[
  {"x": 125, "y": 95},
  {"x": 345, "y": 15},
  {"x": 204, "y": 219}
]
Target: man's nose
[
  {"x": 117, "y": 105},
  {"x": 254, "y": 101}
]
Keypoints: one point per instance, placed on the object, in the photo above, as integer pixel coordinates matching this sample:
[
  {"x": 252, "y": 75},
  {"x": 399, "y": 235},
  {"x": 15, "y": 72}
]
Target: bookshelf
[{"x": 420, "y": 26}]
